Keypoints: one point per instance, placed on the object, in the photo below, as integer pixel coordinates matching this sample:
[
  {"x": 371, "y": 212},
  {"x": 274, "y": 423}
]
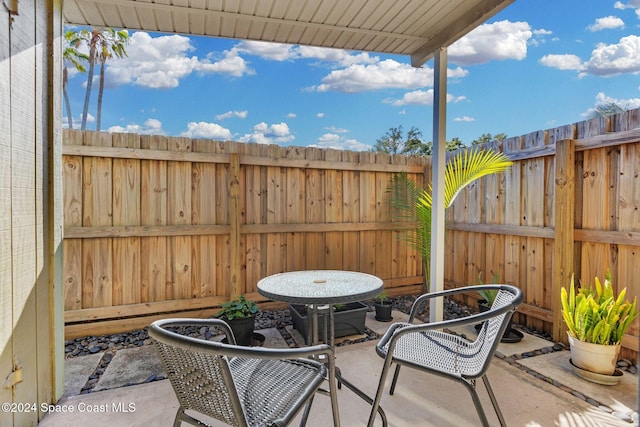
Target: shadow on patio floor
[{"x": 534, "y": 391}]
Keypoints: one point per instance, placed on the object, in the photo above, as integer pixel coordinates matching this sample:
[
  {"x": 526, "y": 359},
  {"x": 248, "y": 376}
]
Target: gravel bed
[{"x": 280, "y": 319}]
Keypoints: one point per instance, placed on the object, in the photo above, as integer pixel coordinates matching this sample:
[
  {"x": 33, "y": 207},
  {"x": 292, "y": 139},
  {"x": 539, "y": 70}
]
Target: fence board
[
  {"x": 295, "y": 211},
  {"x": 351, "y": 213},
  {"x": 383, "y": 258},
  {"x": 367, "y": 239},
  {"x": 203, "y": 212},
  {"x": 126, "y": 211},
  {"x": 333, "y": 212},
  {"x": 223, "y": 243},
  {"x": 314, "y": 211}
]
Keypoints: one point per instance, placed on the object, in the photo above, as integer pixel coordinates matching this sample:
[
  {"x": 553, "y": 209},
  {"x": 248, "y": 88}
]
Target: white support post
[{"x": 438, "y": 161}]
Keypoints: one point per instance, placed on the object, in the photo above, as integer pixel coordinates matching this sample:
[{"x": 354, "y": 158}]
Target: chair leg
[
  {"x": 333, "y": 393},
  {"x": 376, "y": 401},
  {"x": 471, "y": 386},
  {"x": 178, "y": 419},
  {"x": 181, "y": 416},
  {"x": 392, "y": 389},
  {"x": 305, "y": 414},
  {"x": 494, "y": 401}
]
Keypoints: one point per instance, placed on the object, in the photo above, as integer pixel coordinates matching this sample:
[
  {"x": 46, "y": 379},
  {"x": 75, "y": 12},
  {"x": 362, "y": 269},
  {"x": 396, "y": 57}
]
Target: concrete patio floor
[{"x": 420, "y": 399}]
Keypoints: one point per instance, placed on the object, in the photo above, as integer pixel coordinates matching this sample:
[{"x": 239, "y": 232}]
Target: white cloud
[
  {"x": 606, "y": 59},
  {"x": 539, "y": 37},
  {"x": 231, "y": 64},
  {"x": 284, "y": 52},
  {"x": 161, "y": 62},
  {"x": 606, "y": 23},
  {"x": 620, "y": 58},
  {"x": 232, "y": 114},
  {"x": 387, "y": 74},
  {"x": 421, "y": 97},
  {"x": 497, "y": 41},
  {"x": 77, "y": 121},
  {"x": 150, "y": 127},
  {"x": 277, "y": 133},
  {"x": 464, "y": 119},
  {"x": 602, "y": 99},
  {"x": 562, "y": 62},
  {"x": 542, "y": 32},
  {"x": 207, "y": 131},
  {"x": 343, "y": 57},
  {"x": 267, "y": 50},
  {"x": 320, "y": 115},
  {"x": 292, "y": 116},
  {"x": 631, "y": 4},
  {"x": 337, "y": 142},
  {"x": 336, "y": 130}
]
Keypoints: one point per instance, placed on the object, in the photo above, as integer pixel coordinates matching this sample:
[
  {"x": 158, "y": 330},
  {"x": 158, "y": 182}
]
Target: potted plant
[
  {"x": 596, "y": 321},
  {"x": 510, "y": 335},
  {"x": 240, "y": 314},
  {"x": 383, "y": 306}
]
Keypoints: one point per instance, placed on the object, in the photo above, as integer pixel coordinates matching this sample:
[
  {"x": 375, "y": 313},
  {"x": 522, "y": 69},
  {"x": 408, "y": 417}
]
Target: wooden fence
[
  {"x": 156, "y": 225},
  {"x": 569, "y": 205}
]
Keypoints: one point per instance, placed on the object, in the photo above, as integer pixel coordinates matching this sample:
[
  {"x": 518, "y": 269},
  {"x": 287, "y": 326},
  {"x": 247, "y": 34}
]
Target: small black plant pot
[
  {"x": 383, "y": 310},
  {"x": 510, "y": 335},
  {"x": 243, "y": 329}
]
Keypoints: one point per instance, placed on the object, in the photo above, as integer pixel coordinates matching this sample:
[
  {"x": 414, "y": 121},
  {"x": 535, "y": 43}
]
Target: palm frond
[{"x": 412, "y": 204}]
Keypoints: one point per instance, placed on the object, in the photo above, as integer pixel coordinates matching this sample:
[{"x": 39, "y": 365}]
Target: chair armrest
[
  {"x": 397, "y": 330},
  {"x": 447, "y": 292},
  {"x": 158, "y": 331}
]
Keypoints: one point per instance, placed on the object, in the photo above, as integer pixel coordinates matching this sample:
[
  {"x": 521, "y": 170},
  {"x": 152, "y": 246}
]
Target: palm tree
[
  {"x": 412, "y": 204},
  {"x": 114, "y": 46},
  {"x": 73, "y": 56},
  {"x": 97, "y": 40}
]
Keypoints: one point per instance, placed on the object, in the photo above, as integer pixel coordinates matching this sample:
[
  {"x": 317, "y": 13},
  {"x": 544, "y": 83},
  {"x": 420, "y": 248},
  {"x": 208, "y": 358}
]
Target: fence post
[
  {"x": 235, "y": 261},
  {"x": 563, "y": 265}
]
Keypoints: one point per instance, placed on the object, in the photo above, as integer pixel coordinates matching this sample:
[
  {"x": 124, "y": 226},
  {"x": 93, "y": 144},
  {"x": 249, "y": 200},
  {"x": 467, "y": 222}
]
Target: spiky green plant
[
  {"x": 412, "y": 204},
  {"x": 596, "y": 315},
  {"x": 488, "y": 296}
]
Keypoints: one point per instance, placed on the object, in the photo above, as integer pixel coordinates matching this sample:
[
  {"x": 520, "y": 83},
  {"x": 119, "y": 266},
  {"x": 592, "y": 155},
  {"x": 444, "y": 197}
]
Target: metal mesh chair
[
  {"x": 240, "y": 386},
  {"x": 430, "y": 348}
]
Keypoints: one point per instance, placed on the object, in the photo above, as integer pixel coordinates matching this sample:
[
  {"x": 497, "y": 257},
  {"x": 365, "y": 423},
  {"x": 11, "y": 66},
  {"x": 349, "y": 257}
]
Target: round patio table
[
  {"x": 320, "y": 286},
  {"x": 320, "y": 290}
]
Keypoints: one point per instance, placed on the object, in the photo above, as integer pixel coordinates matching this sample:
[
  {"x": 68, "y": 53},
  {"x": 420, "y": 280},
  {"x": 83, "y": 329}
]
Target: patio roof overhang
[{"x": 406, "y": 27}]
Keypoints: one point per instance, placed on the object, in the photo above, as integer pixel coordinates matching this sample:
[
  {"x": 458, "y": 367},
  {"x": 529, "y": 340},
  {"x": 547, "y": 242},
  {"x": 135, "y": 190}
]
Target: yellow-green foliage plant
[{"x": 596, "y": 315}]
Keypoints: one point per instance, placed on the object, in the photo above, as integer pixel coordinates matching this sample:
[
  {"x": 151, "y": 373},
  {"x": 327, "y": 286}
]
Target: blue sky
[{"x": 536, "y": 65}]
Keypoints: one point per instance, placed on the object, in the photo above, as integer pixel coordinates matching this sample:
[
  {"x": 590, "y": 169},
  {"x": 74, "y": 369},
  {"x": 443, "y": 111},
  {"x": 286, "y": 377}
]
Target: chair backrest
[
  {"x": 200, "y": 376},
  {"x": 493, "y": 329}
]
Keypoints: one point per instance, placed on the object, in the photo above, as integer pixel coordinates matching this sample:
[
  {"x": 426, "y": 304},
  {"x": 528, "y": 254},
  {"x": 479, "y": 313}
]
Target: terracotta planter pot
[{"x": 597, "y": 358}]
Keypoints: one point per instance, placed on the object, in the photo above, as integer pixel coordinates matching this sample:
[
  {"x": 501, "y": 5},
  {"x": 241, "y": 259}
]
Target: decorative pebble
[{"x": 578, "y": 395}]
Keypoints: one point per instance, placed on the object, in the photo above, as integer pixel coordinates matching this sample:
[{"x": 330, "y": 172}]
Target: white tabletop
[{"x": 320, "y": 286}]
